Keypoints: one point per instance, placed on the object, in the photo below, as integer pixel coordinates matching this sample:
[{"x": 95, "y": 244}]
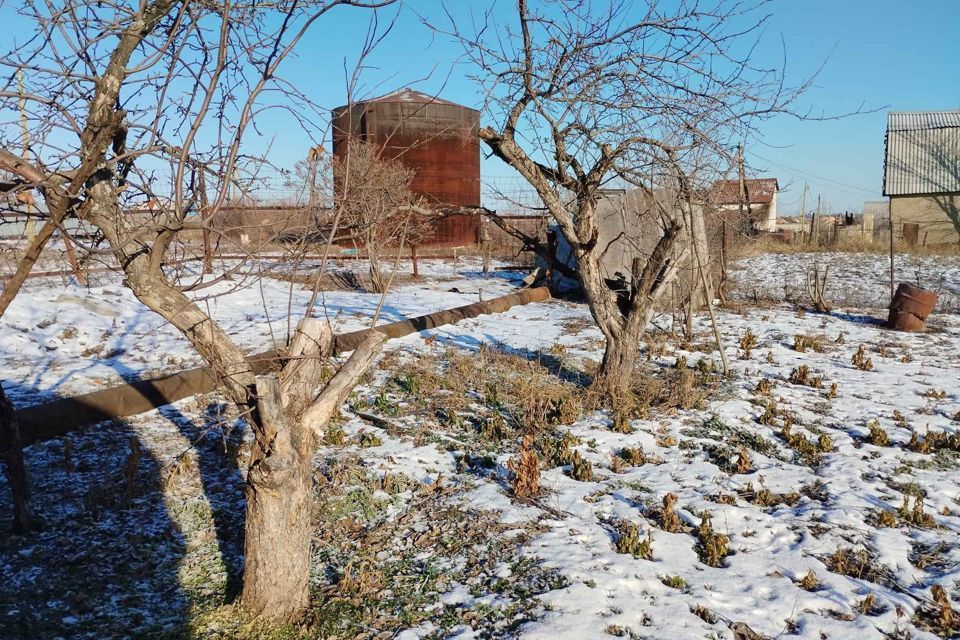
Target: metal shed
[{"x": 922, "y": 175}]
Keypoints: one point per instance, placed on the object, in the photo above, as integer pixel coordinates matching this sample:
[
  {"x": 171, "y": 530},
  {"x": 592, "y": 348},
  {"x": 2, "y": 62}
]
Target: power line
[{"x": 815, "y": 178}]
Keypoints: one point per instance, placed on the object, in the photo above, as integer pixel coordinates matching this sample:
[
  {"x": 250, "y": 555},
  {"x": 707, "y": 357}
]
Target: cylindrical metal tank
[
  {"x": 436, "y": 138},
  {"x": 910, "y": 307}
]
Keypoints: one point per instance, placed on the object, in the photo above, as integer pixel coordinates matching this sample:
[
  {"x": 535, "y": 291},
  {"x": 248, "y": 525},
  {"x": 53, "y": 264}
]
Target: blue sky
[{"x": 883, "y": 54}]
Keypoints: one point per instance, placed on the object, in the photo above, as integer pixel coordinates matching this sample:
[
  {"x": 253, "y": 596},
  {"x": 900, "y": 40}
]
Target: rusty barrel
[{"x": 910, "y": 307}]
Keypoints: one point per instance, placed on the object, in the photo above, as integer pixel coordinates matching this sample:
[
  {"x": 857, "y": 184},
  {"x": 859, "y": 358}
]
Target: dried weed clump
[
  {"x": 369, "y": 439},
  {"x": 743, "y": 461},
  {"x": 766, "y": 498},
  {"x": 934, "y": 441},
  {"x": 621, "y": 423},
  {"x": 938, "y": 616},
  {"x": 809, "y": 582},
  {"x": 629, "y": 541},
  {"x": 802, "y": 342},
  {"x": 915, "y": 515},
  {"x": 801, "y": 375},
  {"x": 869, "y": 606},
  {"x": 674, "y": 582},
  {"x": 712, "y": 547},
  {"x": 525, "y": 470},
  {"x": 861, "y": 361},
  {"x": 860, "y": 564},
  {"x": 878, "y": 436},
  {"x": 667, "y": 516},
  {"x": 808, "y": 451},
  {"x": 557, "y": 449},
  {"x": 747, "y": 343},
  {"x": 580, "y": 469},
  {"x": 634, "y": 456}
]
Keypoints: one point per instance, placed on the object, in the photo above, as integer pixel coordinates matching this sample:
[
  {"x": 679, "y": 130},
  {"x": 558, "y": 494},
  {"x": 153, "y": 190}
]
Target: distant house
[
  {"x": 922, "y": 175},
  {"x": 759, "y": 200},
  {"x": 794, "y": 224}
]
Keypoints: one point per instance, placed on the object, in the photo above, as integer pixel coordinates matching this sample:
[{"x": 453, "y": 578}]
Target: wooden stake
[{"x": 803, "y": 208}]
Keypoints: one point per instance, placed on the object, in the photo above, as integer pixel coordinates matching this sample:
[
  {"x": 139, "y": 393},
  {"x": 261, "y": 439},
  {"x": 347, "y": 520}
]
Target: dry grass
[
  {"x": 860, "y": 564},
  {"x": 843, "y": 244}
]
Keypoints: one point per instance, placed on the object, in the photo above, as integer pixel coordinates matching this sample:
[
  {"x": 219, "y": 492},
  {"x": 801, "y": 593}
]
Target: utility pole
[
  {"x": 742, "y": 195},
  {"x": 25, "y": 151},
  {"x": 816, "y": 222}
]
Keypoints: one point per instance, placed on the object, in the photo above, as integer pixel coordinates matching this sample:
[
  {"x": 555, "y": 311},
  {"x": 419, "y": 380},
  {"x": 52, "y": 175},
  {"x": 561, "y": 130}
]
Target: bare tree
[
  {"x": 116, "y": 94},
  {"x": 376, "y": 203},
  {"x": 585, "y": 96}
]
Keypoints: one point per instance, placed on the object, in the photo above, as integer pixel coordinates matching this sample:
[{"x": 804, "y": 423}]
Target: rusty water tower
[{"x": 437, "y": 138}]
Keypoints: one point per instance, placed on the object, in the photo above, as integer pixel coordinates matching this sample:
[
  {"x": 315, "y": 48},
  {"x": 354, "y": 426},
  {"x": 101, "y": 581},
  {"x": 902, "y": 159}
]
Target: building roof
[
  {"x": 759, "y": 190},
  {"x": 411, "y": 96},
  {"x": 922, "y": 153},
  {"x": 915, "y": 120}
]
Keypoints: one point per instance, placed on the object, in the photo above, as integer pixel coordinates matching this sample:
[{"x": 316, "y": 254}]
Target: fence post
[{"x": 891, "y": 259}]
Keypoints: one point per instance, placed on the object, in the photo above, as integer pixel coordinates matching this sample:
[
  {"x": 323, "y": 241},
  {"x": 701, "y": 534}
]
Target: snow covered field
[
  {"x": 833, "y": 491},
  {"x": 859, "y": 280}
]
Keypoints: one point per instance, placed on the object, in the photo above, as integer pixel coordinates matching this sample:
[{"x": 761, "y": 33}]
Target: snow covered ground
[
  {"x": 859, "y": 280},
  {"x": 419, "y": 535}
]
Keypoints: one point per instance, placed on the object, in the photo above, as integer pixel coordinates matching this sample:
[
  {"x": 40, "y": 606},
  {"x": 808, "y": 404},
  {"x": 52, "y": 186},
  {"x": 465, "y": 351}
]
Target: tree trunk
[
  {"x": 276, "y": 574},
  {"x": 11, "y": 454},
  {"x": 616, "y": 369}
]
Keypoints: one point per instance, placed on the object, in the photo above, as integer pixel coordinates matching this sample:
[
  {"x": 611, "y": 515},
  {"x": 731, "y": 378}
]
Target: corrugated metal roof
[
  {"x": 923, "y": 153},
  {"x": 913, "y": 120}
]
